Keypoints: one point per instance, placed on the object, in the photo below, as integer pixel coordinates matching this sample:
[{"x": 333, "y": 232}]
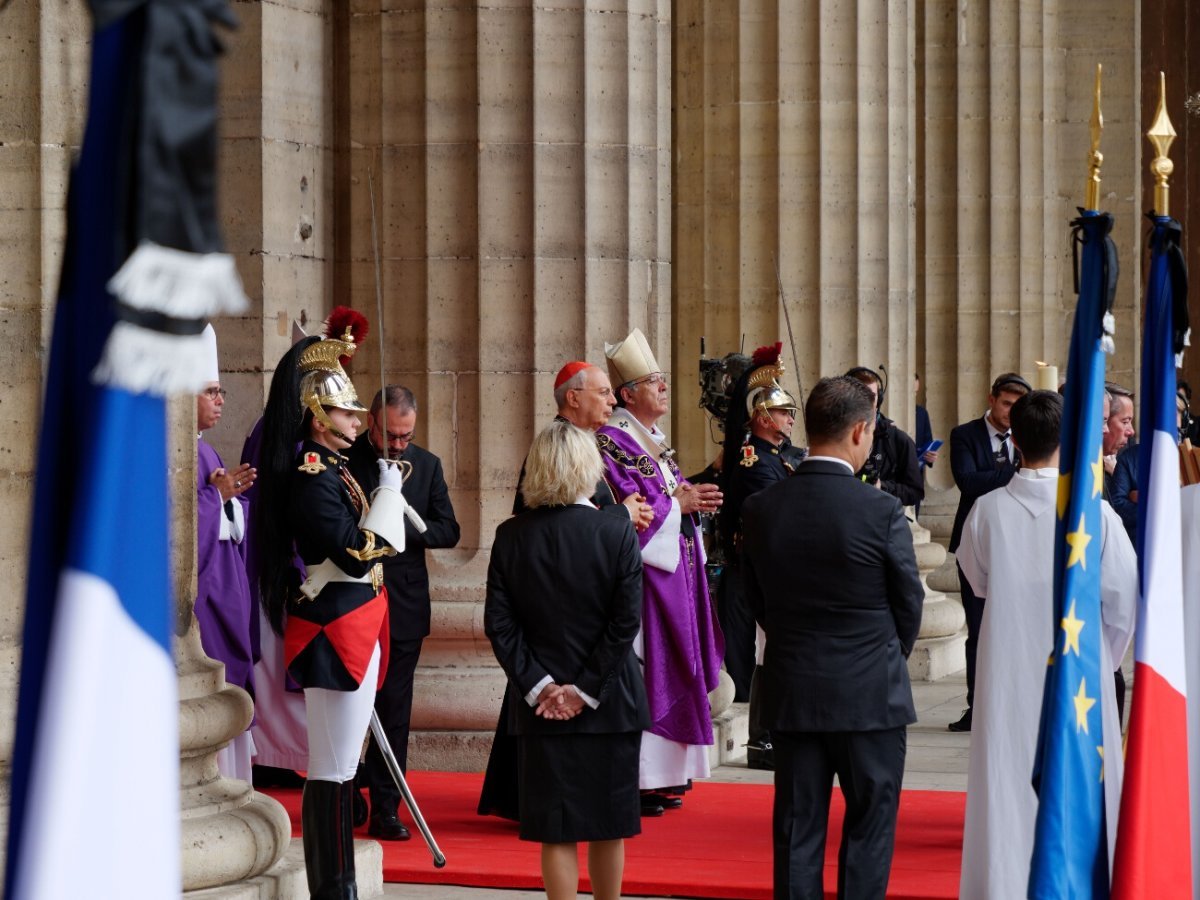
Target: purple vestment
[
  {"x": 682, "y": 643},
  {"x": 228, "y": 629}
]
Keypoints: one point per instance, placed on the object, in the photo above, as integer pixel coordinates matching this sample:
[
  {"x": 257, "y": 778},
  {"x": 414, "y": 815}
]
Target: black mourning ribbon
[
  {"x": 1097, "y": 227},
  {"x": 1165, "y": 237}
]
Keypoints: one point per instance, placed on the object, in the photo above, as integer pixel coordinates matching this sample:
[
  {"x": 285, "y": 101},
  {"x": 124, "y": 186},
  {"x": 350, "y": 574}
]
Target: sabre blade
[{"x": 385, "y": 451}]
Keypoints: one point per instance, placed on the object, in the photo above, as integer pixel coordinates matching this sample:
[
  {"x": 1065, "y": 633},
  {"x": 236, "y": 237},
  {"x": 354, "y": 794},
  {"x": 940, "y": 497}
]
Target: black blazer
[
  {"x": 406, "y": 576},
  {"x": 830, "y": 574},
  {"x": 564, "y": 599},
  {"x": 973, "y": 464}
]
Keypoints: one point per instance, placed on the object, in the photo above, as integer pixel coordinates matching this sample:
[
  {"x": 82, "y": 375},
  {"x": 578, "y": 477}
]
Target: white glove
[{"x": 390, "y": 476}]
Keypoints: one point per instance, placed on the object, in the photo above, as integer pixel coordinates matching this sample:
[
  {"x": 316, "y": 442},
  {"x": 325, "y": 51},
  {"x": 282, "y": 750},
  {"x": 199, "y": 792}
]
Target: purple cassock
[
  {"x": 228, "y": 630},
  {"x": 681, "y": 640}
]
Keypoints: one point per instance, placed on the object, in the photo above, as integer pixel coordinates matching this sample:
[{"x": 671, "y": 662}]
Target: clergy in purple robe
[
  {"x": 680, "y": 645},
  {"x": 224, "y": 611}
]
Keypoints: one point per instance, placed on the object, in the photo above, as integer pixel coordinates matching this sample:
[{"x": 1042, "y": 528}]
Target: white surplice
[{"x": 1007, "y": 555}]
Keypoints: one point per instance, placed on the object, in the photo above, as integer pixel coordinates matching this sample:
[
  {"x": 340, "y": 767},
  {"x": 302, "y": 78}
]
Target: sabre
[
  {"x": 439, "y": 858},
  {"x": 378, "y": 315},
  {"x": 411, "y": 514},
  {"x": 791, "y": 340}
]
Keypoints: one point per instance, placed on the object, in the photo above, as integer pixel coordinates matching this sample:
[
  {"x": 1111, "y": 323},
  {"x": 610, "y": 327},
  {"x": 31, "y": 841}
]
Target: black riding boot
[
  {"x": 326, "y": 822},
  {"x": 759, "y": 753}
]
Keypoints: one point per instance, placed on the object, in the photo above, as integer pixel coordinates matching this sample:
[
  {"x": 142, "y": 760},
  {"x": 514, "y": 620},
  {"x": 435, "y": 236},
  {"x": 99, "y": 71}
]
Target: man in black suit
[
  {"x": 982, "y": 458},
  {"x": 831, "y": 575},
  {"x": 407, "y": 581}
]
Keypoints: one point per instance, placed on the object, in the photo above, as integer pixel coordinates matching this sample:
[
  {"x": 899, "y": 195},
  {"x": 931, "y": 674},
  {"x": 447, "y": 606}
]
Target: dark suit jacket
[
  {"x": 973, "y": 464},
  {"x": 564, "y": 599},
  {"x": 406, "y": 576},
  {"x": 830, "y": 573}
]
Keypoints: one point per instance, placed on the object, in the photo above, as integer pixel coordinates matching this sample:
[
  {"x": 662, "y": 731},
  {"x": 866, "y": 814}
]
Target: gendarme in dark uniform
[
  {"x": 407, "y": 581},
  {"x": 757, "y": 453}
]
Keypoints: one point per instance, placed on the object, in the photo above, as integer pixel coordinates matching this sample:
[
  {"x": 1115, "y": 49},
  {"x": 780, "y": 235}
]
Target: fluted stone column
[
  {"x": 1004, "y": 91},
  {"x": 520, "y": 157},
  {"x": 230, "y": 833},
  {"x": 794, "y": 135}
]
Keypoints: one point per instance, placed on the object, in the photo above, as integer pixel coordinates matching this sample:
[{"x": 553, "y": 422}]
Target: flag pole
[
  {"x": 1162, "y": 135},
  {"x": 1095, "y": 157}
]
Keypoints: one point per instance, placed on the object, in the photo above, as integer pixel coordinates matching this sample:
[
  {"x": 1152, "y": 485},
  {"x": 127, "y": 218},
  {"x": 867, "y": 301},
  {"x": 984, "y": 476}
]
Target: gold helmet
[
  {"x": 763, "y": 391},
  {"x": 323, "y": 381}
]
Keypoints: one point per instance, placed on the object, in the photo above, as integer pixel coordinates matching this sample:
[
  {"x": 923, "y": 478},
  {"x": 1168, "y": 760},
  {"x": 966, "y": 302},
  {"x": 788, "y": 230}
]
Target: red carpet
[{"x": 718, "y": 845}]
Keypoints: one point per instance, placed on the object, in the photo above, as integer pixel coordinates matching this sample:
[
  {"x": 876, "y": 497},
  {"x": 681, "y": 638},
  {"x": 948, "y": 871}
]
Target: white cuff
[
  {"x": 662, "y": 550},
  {"x": 232, "y": 529},
  {"x": 386, "y": 516},
  {"x": 590, "y": 701},
  {"x": 532, "y": 697}
]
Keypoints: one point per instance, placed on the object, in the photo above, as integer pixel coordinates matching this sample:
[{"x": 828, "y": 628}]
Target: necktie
[{"x": 1004, "y": 449}]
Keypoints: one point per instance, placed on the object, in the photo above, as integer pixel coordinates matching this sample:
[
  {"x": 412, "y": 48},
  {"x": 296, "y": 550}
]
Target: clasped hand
[
  {"x": 235, "y": 483},
  {"x": 559, "y": 702}
]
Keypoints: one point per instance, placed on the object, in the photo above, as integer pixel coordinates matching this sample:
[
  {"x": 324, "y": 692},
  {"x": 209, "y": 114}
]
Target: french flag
[
  {"x": 95, "y": 781},
  {"x": 95, "y": 799},
  {"x": 1153, "y": 856}
]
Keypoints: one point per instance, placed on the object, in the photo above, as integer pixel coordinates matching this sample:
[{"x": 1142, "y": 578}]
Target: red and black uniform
[{"x": 328, "y": 641}]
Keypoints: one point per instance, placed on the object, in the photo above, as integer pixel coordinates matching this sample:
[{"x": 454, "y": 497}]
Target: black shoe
[
  {"x": 760, "y": 755},
  {"x": 677, "y": 789},
  {"x": 361, "y": 810},
  {"x": 963, "y": 724},
  {"x": 388, "y": 827},
  {"x": 657, "y": 798},
  {"x": 651, "y": 810}
]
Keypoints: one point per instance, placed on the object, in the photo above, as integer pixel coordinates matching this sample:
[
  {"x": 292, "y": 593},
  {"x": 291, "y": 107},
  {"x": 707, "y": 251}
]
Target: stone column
[
  {"x": 939, "y": 648},
  {"x": 1005, "y": 93},
  {"x": 794, "y": 148},
  {"x": 230, "y": 833},
  {"x": 520, "y": 158}
]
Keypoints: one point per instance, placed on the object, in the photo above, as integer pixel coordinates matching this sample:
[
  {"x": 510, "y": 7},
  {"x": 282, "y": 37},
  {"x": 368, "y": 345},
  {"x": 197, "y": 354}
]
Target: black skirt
[{"x": 579, "y": 787}]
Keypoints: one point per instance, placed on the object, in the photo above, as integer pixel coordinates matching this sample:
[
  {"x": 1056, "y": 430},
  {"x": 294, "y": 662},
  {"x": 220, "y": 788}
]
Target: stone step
[
  {"x": 286, "y": 880},
  {"x": 730, "y": 733},
  {"x": 935, "y": 658}
]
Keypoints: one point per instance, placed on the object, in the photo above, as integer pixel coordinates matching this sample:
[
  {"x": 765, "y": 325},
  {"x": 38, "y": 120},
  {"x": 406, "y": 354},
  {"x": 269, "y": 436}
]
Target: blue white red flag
[
  {"x": 1153, "y": 858},
  {"x": 95, "y": 808},
  {"x": 95, "y": 786}
]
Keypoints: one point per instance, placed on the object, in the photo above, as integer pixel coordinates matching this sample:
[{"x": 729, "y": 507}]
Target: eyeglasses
[
  {"x": 603, "y": 392},
  {"x": 213, "y": 393},
  {"x": 403, "y": 438},
  {"x": 655, "y": 378}
]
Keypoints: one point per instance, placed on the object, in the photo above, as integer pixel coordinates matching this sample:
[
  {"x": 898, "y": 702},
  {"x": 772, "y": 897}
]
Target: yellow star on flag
[
  {"x": 1064, "y": 492},
  {"x": 1083, "y": 703},
  {"x": 1098, "y": 472},
  {"x": 1078, "y": 539},
  {"x": 1071, "y": 627}
]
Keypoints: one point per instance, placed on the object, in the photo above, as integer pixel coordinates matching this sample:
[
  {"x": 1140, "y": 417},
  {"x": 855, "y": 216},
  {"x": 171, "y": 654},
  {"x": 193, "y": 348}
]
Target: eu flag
[{"x": 1070, "y": 853}]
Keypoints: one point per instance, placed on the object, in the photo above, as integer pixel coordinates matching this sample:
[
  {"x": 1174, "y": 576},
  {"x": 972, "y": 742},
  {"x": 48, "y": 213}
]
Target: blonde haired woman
[{"x": 563, "y": 606}]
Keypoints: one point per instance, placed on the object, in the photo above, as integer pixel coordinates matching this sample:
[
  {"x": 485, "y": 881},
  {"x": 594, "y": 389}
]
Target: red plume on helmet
[
  {"x": 344, "y": 317},
  {"x": 768, "y": 355}
]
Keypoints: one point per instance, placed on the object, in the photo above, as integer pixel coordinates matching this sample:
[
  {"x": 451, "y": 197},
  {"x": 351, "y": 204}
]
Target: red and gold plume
[
  {"x": 345, "y": 320},
  {"x": 768, "y": 355}
]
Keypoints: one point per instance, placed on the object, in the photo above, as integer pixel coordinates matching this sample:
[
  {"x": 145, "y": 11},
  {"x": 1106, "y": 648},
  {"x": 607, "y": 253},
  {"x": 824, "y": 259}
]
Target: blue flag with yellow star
[{"x": 1070, "y": 851}]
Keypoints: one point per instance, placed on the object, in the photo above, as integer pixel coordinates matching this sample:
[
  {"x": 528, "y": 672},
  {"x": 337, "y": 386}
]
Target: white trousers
[{"x": 337, "y": 725}]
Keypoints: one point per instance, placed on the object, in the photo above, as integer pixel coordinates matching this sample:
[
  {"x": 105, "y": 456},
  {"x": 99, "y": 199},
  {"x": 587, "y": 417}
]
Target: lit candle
[{"x": 1046, "y": 378}]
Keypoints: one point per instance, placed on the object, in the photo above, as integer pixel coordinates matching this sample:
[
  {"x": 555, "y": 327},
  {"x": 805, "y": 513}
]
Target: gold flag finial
[
  {"x": 1095, "y": 157},
  {"x": 1161, "y": 135}
]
